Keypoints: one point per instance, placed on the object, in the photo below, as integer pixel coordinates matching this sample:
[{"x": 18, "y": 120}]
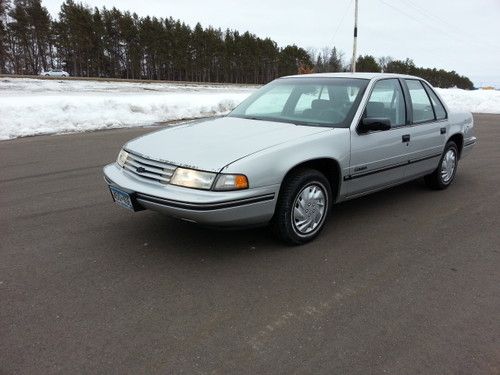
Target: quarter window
[
  {"x": 438, "y": 106},
  {"x": 422, "y": 107},
  {"x": 387, "y": 101}
]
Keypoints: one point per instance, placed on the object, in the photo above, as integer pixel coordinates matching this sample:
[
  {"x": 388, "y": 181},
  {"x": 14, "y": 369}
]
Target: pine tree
[
  {"x": 335, "y": 61},
  {"x": 367, "y": 64},
  {"x": 3, "y": 36}
]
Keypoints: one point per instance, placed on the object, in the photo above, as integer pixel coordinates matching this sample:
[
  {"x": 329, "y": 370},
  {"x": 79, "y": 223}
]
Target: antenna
[{"x": 354, "y": 47}]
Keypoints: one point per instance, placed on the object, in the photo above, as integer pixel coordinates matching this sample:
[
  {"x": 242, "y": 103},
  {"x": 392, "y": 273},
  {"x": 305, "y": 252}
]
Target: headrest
[{"x": 320, "y": 104}]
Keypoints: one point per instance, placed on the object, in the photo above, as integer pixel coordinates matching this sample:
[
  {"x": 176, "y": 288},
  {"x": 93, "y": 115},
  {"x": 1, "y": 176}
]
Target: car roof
[{"x": 352, "y": 75}]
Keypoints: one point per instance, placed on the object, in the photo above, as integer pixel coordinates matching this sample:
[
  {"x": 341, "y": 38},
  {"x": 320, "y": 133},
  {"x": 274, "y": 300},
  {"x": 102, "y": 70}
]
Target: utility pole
[{"x": 353, "y": 64}]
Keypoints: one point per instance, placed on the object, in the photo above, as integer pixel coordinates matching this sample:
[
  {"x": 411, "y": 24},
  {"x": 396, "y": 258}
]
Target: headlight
[
  {"x": 231, "y": 182},
  {"x": 193, "y": 178},
  {"x": 122, "y": 158}
]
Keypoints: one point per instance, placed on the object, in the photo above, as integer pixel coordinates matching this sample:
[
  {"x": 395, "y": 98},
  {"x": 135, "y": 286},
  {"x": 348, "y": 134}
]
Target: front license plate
[{"x": 122, "y": 198}]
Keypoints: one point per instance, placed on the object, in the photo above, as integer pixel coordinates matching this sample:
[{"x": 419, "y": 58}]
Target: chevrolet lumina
[{"x": 294, "y": 148}]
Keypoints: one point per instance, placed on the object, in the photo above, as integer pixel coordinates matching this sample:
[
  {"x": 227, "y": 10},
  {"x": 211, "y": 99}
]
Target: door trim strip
[{"x": 389, "y": 167}]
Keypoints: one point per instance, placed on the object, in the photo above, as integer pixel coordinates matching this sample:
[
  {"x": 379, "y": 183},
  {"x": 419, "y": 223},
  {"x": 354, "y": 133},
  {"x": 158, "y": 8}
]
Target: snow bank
[
  {"x": 477, "y": 101},
  {"x": 35, "y": 106}
]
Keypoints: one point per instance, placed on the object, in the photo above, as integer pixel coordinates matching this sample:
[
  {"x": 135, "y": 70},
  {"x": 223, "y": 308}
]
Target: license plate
[{"x": 122, "y": 198}]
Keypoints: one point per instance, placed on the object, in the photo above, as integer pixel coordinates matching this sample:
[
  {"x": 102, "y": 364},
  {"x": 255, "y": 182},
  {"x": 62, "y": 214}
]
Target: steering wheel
[{"x": 327, "y": 115}]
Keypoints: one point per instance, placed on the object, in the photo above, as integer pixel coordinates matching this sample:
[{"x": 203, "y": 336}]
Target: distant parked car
[
  {"x": 55, "y": 73},
  {"x": 294, "y": 148}
]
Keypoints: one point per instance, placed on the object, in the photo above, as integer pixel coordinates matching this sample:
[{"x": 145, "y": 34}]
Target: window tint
[
  {"x": 387, "y": 100},
  {"x": 422, "y": 108},
  {"x": 438, "y": 107}
]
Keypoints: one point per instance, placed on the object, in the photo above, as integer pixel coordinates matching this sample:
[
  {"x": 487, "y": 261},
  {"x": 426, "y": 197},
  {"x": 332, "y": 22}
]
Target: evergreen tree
[
  {"x": 335, "y": 61},
  {"x": 367, "y": 64},
  {"x": 3, "y": 36}
]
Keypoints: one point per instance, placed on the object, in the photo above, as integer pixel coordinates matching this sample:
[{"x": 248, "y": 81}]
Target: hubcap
[
  {"x": 448, "y": 166},
  {"x": 309, "y": 209}
]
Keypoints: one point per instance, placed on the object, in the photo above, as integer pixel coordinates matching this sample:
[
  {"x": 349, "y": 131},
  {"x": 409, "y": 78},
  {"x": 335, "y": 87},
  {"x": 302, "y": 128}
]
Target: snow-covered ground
[{"x": 34, "y": 106}]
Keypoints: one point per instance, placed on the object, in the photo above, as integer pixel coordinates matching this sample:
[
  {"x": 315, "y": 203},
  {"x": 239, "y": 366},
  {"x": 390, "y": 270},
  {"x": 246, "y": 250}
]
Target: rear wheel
[
  {"x": 444, "y": 175},
  {"x": 302, "y": 207}
]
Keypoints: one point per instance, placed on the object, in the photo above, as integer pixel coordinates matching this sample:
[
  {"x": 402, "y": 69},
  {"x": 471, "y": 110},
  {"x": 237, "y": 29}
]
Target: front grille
[{"x": 149, "y": 170}]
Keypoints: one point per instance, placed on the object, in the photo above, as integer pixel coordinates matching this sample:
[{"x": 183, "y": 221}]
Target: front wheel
[
  {"x": 302, "y": 207},
  {"x": 444, "y": 175}
]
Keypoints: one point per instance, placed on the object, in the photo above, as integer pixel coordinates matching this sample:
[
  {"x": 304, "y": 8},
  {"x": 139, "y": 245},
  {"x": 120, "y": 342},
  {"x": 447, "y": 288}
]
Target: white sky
[{"x": 460, "y": 35}]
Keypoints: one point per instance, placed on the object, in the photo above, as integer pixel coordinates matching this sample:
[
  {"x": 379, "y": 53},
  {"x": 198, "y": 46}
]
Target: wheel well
[
  {"x": 459, "y": 141},
  {"x": 329, "y": 167}
]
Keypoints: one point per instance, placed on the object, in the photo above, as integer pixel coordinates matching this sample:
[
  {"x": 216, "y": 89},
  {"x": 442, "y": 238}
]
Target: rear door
[
  {"x": 378, "y": 158},
  {"x": 428, "y": 128}
]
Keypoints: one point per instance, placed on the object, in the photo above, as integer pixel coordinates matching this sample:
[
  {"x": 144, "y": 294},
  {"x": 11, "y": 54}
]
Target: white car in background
[{"x": 55, "y": 73}]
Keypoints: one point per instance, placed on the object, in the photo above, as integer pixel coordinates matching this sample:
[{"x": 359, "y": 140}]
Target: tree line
[
  {"x": 109, "y": 43},
  {"x": 92, "y": 42},
  {"x": 332, "y": 60}
]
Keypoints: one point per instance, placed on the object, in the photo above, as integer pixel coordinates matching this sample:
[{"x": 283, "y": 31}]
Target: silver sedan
[{"x": 292, "y": 150}]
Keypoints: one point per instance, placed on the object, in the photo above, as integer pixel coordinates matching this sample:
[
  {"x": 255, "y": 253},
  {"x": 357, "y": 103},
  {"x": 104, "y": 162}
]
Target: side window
[
  {"x": 387, "y": 100},
  {"x": 422, "y": 107},
  {"x": 438, "y": 106}
]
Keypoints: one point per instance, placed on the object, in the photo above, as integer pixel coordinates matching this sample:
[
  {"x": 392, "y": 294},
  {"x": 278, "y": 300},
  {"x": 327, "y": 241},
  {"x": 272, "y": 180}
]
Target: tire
[
  {"x": 445, "y": 173},
  {"x": 312, "y": 188}
]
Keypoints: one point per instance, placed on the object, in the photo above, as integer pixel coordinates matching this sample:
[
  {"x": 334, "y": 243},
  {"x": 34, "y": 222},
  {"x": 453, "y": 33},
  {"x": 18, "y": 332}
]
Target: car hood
[{"x": 212, "y": 144}]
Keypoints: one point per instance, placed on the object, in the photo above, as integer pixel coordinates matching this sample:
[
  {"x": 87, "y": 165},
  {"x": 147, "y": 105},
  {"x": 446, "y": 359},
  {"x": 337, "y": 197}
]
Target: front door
[{"x": 378, "y": 158}]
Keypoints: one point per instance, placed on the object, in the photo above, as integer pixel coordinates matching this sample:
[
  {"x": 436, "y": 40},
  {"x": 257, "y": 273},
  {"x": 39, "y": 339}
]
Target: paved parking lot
[{"x": 404, "y": 281}]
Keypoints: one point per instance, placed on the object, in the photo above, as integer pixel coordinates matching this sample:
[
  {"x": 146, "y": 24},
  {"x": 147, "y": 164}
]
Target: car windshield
[{"x": 309, "y": 101}]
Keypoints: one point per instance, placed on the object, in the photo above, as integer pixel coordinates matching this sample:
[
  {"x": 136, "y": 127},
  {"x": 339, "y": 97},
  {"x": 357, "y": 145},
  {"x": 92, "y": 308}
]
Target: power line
[
  {"x": 418, "y": 21},
  {"x": 342, "y": 20},
  {"x": 442, "y": 22},
  {"x": 428, "y": 24}
]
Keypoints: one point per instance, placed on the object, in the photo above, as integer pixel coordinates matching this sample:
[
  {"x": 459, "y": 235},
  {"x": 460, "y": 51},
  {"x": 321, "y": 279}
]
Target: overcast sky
[{"x": 460, "y": 35}]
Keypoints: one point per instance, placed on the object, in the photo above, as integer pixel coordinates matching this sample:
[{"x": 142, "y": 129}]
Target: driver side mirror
[{"x": 374, "y": 124}]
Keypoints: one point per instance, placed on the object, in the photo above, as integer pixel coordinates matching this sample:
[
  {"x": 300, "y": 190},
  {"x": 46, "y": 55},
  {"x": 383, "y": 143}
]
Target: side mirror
[{"x": 374, "y": 124}]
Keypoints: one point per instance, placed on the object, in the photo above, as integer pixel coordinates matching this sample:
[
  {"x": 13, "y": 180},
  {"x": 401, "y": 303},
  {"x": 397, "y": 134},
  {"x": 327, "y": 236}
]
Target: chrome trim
[
  {"x": 149, "y": 170},
  {"x": 204, "y": 206}
]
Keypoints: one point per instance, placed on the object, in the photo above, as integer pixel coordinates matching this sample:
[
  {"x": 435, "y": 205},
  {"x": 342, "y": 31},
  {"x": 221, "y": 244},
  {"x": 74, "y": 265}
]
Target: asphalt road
[{"x": 405, "y": 281}]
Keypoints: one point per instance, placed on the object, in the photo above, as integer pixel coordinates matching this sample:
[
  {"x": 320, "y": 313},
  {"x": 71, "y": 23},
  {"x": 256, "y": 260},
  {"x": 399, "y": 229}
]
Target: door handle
[{"x": 406, "y": 138}]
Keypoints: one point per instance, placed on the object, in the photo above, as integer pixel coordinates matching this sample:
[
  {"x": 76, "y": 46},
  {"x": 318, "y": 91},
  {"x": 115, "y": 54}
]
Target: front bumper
[{"x": 232, "y": 208}]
